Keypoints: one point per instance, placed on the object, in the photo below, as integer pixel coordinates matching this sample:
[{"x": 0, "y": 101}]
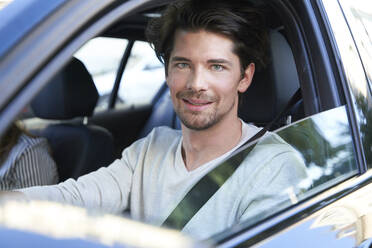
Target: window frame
[{"x": 120, "y": 72}]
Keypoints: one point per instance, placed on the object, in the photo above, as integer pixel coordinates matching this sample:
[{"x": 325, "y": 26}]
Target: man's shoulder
[
  {"x": 159, "y": 137},
  {"x": 158, "y": 142},
  {"x": 164, "y": 134},
  {"x": 166, "y": 130}
]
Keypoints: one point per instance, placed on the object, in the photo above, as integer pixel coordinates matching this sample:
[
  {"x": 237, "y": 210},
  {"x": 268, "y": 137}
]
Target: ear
[{"x": 246, "y": 81}]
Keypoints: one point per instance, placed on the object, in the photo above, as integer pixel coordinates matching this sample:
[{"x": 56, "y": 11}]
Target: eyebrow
[
  {"x": 219, "y": 61},
  {"x": 210, "y": 61},
  {"x": 178, "y": 58}
]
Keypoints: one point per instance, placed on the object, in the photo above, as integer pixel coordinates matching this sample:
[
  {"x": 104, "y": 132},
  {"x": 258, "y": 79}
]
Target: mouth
[{"x": 196, "y": 104}]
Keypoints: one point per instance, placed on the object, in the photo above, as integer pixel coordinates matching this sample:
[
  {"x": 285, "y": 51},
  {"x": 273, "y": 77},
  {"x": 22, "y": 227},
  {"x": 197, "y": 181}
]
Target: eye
[
  {"x": 182, "y": 65},
  {"x": 217, "y": 67}
]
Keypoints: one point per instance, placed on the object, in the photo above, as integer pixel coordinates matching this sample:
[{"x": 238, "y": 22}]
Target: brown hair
[
  {"x": 10, "y": 139},
  {"x": 244, "y": 25}
]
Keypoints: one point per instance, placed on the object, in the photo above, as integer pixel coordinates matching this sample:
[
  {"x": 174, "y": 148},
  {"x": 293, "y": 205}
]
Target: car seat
[
  {"x": 272, "y": 87},
  {"x": 162, "y": 113},
  {"x": 77, "y": 148}
]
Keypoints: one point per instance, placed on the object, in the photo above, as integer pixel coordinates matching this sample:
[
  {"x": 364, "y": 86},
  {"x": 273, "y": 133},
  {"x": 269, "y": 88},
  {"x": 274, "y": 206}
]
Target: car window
[
  {"x": 324, "y": 142},
  {"x": 294, "y": 163},
  {"x": 351, "y": 48},
  {"x": 102, "y": 56},
  {"x": 142, "y": 78},
  {"x": 359, "y": 16}
]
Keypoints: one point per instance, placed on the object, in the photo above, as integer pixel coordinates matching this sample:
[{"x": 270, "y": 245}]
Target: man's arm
[{"x": 106, "y": 189}]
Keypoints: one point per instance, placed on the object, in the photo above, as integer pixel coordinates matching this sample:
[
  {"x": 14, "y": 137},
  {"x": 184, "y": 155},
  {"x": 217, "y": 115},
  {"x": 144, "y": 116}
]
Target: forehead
[{"x": 202, "y": 44}]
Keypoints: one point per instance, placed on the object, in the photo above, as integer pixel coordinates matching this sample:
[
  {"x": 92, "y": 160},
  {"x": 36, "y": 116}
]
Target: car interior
[
  {"x": 77, "y": 148},
  {"x": 88, "y": 126},
  {"x": 83, "y": 140}
]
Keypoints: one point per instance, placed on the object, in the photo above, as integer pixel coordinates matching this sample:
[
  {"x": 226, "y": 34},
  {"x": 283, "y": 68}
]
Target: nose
[{"x": 198, "y": 80}]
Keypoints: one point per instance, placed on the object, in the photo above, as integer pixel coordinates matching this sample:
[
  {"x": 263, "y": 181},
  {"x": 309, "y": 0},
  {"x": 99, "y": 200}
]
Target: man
[{"x": 210, "y": 50}]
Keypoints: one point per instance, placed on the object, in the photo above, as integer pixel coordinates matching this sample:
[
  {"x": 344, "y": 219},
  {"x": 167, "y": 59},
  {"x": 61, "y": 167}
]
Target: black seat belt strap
[{"x": 205, "y": 188}]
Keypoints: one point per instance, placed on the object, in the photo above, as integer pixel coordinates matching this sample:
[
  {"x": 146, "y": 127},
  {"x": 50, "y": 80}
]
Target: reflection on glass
[
  {"x": 359, "y": 16},
  {"x": 323, "y": 144},
  {"x": 364, "y": 107},
  {"x": 349, "y": 217},
  {"x": 324, "y": 140},
  {"x": 353, "y": 68}
]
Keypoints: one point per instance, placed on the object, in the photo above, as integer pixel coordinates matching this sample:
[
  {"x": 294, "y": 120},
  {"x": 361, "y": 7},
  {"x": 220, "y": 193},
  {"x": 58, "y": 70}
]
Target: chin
[{"x": 198, "y": 124}]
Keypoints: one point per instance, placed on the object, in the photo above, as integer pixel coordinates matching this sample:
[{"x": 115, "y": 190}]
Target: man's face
[{"x": 204, "y": 78}]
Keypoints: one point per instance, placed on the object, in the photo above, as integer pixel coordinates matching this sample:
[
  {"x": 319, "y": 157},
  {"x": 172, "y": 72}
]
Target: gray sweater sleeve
[{"x": 106, "y": 189}]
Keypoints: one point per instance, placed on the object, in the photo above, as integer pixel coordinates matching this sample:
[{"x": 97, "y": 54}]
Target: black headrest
[
  {"x": 272, "y": 87},
  {"x": 71, "y": 93}
]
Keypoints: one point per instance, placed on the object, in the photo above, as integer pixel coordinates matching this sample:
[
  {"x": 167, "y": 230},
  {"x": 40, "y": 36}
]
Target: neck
[{"x": 202, "y": 146}]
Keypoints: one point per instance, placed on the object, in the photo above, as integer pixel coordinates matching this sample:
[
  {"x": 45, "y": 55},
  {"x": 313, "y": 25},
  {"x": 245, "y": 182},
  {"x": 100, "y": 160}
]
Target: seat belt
[{"x": 205, "y": 188}]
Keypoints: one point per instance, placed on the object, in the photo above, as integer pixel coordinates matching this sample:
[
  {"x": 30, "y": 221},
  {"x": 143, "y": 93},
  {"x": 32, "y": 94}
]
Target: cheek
[
  {"x": 225, "y": 86},
  {"x": 176, "y": 80},
  {"x": 175, "y": 85}
]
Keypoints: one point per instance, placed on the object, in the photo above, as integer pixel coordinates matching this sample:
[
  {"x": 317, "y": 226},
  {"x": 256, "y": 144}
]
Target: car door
[{"x": 335, "y": 210}]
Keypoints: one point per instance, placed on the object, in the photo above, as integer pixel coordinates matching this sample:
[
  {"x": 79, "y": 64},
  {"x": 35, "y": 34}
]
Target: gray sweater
[{"x": 151, "y": 179}]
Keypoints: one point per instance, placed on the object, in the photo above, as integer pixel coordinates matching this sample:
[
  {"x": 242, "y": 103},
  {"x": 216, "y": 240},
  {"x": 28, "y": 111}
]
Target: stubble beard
[{"x": 201, "y": 120}]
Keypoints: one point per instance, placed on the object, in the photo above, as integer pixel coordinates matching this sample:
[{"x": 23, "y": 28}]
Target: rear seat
[{"x": 77, "y": 148}]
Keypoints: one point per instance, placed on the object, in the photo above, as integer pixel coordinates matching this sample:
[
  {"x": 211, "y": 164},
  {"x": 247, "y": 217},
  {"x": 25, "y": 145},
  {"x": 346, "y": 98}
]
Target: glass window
[
  {"x": 292, "y": 164},
  {"x": 142, "y": 78},
  {"x": 325, "y": 143},
  {"x": 352, "y": 48},
  {"x": 102, "y": 56},
  {"x": 359, "y": 16}
]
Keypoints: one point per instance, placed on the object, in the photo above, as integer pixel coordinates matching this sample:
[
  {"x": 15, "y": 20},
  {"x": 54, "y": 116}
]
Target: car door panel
[{"x": 344, "y": 223}]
